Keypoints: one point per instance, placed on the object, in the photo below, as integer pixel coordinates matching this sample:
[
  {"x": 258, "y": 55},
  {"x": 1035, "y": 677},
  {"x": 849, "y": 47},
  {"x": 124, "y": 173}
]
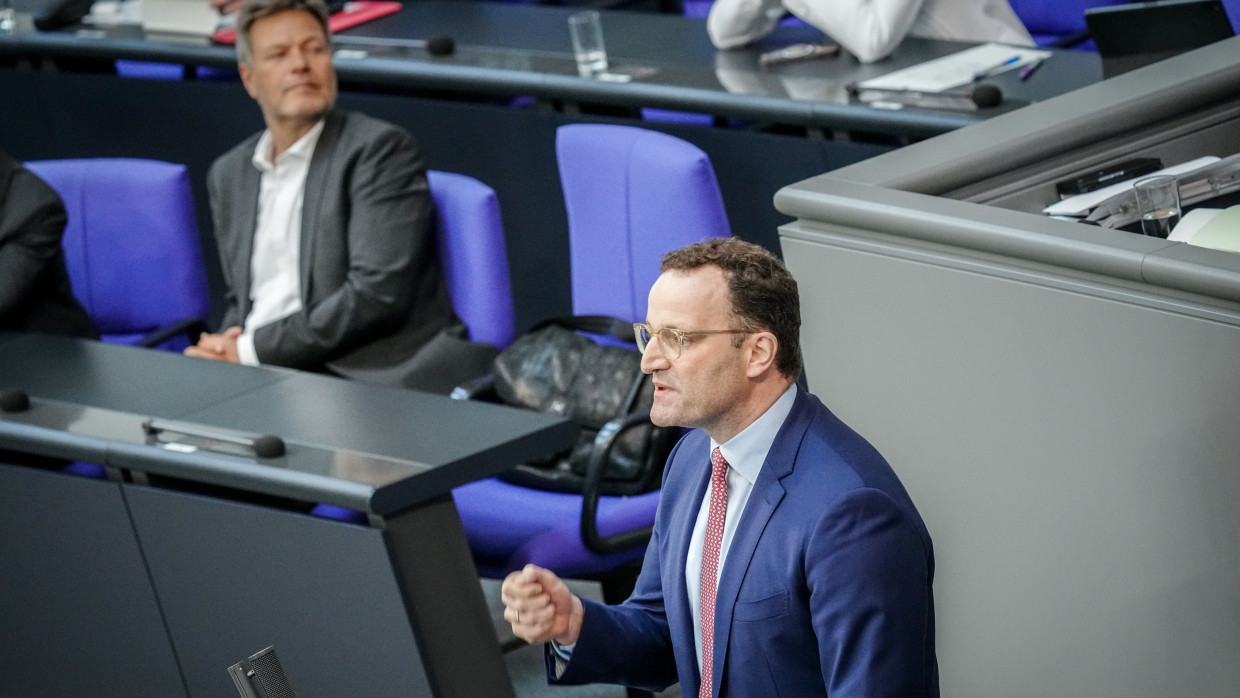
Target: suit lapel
[
  {"x": 249, "y": 183},
  {"x": 321, "y": 166},
  {"x": 767, "y": 493}
]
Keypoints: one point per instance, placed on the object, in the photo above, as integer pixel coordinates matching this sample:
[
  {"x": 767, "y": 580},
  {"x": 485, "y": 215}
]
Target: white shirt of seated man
[
  {"x": 870, "y": 29},
  {"x": 275, "y": 289}
]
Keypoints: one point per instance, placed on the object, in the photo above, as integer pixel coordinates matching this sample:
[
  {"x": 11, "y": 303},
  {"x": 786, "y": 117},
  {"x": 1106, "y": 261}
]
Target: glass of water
[
  {"x": 1158, "y": 202},
  {"x": 8, "y": 17},
  {"x": 586, "y": 30}
]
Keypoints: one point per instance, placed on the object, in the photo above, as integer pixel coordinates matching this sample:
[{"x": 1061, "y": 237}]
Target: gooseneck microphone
[
  {"x": 439, "y": 45},
  {"x": 263, "y": 445},
  {"x": 982, "y": 95}
]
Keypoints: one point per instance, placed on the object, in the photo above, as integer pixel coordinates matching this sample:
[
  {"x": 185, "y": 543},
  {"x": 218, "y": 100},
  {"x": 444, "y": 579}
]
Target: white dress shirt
[
  {"x": 870, "y": 29},
  {"x": 745, "y": 454},
  {"x": 275, "y": 287}
]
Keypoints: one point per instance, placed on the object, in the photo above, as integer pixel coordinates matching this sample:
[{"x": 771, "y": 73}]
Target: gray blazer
[{"x": 375, "y": 307}]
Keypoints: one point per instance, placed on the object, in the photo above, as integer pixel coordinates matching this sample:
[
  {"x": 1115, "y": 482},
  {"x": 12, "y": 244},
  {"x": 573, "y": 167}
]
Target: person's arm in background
[
  {"x": 734, "y": 23},
  {"x": 32, "y": 220},
  {"x": 868, "y": 29}
]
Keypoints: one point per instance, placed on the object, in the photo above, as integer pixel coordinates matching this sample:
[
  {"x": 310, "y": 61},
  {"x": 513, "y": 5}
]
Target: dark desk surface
[
  {"x": 373, "y": 449},
  {"x": 513, "y": 49}
]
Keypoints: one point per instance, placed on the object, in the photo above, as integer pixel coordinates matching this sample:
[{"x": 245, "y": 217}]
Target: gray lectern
[
  {"x": 191, "y": 553},
  {"x": 1061, "y": 400}
]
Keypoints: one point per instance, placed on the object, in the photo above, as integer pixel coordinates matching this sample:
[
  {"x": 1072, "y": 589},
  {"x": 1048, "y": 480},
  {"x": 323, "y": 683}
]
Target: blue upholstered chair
[
  {"x": 474, "y": 256},
  {"x": 632, "y": 195},
  {"x": 132, "y": 248},
  {"x": 1058, "y": 23}
]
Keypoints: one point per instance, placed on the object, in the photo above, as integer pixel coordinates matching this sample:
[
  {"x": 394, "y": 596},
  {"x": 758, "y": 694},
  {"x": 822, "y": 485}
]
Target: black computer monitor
[{"x": 1135, "y": 35}]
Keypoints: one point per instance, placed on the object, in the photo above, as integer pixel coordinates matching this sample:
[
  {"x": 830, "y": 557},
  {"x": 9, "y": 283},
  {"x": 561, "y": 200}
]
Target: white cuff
[{"x": 246, "y": 351}]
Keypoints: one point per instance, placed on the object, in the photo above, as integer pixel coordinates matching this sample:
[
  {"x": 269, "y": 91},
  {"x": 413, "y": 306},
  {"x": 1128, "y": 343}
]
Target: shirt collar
[
  {"x": 302, "y": 149},
  {"x": 746, "y": 452}
]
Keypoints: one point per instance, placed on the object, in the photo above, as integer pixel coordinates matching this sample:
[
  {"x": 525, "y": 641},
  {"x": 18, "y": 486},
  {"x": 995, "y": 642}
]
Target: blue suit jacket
[{"x": 826, "y": 589}]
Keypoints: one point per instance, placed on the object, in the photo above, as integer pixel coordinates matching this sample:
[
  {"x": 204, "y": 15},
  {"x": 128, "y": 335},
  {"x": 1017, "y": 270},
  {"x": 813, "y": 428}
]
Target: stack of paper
[
  {"x": 1116, "y": 206},
  {"x": 1215, "y": 228},
  {"x": 957, "y": 69}
]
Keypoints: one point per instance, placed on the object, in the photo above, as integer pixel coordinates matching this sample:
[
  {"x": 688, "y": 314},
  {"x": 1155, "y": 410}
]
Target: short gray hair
[{"x": 254, "y": 10}]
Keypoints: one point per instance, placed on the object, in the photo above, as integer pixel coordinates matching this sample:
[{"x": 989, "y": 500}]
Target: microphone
[
  {"x": 438, "y": 45},
  {"x": 14, "y": 401},
  {"x": 980, "y": 96},
  {"x": 263, "y": 445}
]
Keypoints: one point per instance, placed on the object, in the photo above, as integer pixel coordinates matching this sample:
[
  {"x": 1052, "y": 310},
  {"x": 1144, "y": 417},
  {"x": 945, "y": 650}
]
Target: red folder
[{"x": 353, "y": 14}]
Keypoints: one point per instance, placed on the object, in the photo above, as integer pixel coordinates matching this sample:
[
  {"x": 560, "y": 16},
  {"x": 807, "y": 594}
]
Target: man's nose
[{"x": 653, "y": 358}]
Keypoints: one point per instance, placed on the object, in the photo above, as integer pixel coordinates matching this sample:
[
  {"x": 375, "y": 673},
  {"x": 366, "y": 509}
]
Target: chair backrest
[
  {"x": 1050, "y": 21},
  {"x": 632, "y": 195},
  {"x": 131, "y": 243},
  {"x": 474, "y": 256}
]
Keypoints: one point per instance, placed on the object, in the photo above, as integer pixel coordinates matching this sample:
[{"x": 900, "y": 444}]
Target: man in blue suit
[{"x": 773, "y": 512}]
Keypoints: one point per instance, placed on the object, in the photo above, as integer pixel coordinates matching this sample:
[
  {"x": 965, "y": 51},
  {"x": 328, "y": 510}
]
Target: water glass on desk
[
  {"x": 1158, "y": 202},
  {"x": 586, "y": 30},
  {"x": 8, "y": 17}
]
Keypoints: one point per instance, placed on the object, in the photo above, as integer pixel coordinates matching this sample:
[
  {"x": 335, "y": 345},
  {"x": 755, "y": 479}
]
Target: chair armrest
[
  {"x": 190, "y": 327},
  {"x": 480, "y": 388},
  {"x": 603, "y": 443}
]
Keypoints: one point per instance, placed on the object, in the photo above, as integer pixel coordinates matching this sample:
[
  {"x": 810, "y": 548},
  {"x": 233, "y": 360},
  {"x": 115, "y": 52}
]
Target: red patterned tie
[{"x": 710, "y": 565}]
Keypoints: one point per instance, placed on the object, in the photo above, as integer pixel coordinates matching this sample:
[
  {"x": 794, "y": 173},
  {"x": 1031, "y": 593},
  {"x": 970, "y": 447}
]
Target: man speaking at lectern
[
  {"x": 786, "y": 558},
  {"x": 324, "y": 223}
]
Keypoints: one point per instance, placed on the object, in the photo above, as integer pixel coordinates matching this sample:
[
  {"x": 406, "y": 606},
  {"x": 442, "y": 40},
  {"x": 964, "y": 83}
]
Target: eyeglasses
[{"x": 671, "y": 340}]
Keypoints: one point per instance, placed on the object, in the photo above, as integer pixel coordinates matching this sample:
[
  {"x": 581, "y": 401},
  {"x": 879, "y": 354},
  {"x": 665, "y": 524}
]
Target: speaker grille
[{"x": 270, "y": 674}]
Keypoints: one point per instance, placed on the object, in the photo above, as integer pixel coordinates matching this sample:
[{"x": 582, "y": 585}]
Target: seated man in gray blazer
[{"x": 324, "y": 223}]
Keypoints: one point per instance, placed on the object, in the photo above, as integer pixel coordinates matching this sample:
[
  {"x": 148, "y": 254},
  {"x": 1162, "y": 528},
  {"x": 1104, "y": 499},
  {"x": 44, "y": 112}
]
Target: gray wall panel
[
  {"x": 1071, "y": 446},
  {"x": 77, "y": 613}
]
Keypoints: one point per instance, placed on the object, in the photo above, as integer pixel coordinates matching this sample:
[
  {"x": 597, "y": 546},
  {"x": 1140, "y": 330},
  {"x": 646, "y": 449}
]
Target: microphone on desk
[
  {"x": 14, "y": 401},
  {"x": 980, "y": 96},
  {"x": 263, "y": 445},
  {"x": 438, "y": 45}
]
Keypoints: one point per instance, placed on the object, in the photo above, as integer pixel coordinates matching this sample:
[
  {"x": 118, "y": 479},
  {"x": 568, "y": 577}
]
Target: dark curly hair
[{"x": 764, "y": 295}]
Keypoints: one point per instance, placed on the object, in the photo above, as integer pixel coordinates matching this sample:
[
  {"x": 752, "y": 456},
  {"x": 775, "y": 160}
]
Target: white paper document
[
  {"x": 957, "y": 69},
  {"x": 195, "y": 17}
]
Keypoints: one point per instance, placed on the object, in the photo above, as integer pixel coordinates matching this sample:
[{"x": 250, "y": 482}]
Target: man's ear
[
  {"x": 246, "y": 76},
  {"x": 762, "y": 349}
]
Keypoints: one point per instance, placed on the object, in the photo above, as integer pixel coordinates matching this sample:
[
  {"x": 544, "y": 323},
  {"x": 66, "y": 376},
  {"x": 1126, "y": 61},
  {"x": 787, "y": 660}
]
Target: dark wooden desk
[
  {"x": 182, "y": 562},
  {"x": 491, "y": 110},
  {"x": 685, "y": 72}
]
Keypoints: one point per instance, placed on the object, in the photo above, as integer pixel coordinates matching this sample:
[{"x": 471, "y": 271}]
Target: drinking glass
[
  {"x": 586, "y": 29},
  {"x": 1158, "y": 202}
]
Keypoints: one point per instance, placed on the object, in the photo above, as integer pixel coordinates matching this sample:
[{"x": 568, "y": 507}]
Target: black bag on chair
[{"x": 553, "y": 368}]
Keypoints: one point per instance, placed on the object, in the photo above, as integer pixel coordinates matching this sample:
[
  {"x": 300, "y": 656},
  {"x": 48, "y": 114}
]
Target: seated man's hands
[
  {"x": 540, "y": 607},
  {"x": 220, "y": 347}
]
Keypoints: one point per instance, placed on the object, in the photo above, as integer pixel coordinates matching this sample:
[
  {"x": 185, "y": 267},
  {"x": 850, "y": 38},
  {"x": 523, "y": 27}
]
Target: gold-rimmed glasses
[{"x": 672, "y": 340}]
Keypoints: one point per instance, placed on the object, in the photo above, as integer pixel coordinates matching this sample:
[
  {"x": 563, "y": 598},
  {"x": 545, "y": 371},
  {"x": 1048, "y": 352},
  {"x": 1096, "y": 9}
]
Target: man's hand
[
  {"x": 220, "y": 347},
  {"x": 540, "y": 607}
]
